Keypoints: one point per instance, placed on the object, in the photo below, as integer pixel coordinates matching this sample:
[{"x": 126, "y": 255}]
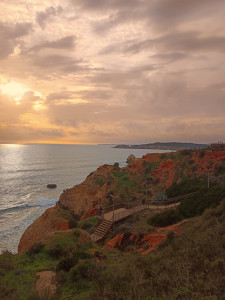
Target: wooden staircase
[{"x": 101, "y": 231}]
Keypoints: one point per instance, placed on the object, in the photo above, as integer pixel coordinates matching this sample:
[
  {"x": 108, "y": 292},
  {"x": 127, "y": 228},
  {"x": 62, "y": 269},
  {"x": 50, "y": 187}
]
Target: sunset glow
[
  {"x": 112, "y": 71},
  {"x": 13, "y": 89}
]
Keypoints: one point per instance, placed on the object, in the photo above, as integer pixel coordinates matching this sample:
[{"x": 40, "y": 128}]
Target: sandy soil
[{"x": 46, "y": 282}]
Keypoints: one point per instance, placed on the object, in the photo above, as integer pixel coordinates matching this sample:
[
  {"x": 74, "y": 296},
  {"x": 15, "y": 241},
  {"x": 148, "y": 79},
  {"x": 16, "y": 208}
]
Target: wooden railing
[
  {"x": 136, "y": 206},
  {"x": 170, "y": 200}
]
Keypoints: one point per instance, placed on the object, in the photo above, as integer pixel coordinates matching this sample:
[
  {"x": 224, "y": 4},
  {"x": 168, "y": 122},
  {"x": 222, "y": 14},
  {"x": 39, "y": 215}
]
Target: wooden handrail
[{"x": 170, "y": 200}]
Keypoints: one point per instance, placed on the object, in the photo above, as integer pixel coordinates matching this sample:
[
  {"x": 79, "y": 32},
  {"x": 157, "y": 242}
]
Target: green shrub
[
  {"x": 170, "y": 236},
  {"x": 86, "y": 226},
  {"x": 72, "y": 223},
  {"x": 80, "y": 254},
  {"x": 151, "y": 166},
  {"x": 44, "y": 296},
  {"x": 61, "y": 277},
  {"x": 204, "y": 198},
  {"x": 6, "y": 262},
  {"x": 56, "y": 252},
  {"x": 35, "y": 249},
  {"x": 76, "y": 233},
  {"x": 99, "y": 180},
  {"x": 165, "y": 218},
  {"x": 220, "y": 168},
  {"x": 185, "y": 187},
  {"x": 83, "y": 270},
  {"x": 66, "y": 264},
  {"x": 116, "y": 165},
  {"x": 186, "y": 152}
]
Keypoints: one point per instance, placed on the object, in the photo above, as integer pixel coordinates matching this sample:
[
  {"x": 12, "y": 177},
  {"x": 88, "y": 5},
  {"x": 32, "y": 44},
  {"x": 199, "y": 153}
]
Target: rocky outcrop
[
  {"x": 90, "y": 193},
  {"x": 48, "y": 222},
  {"x": 143, "y": 243},
  {"x": 137, "y": 241},
  {"x": 81, "y": 200},
  {"x": 151, "y": 174}
]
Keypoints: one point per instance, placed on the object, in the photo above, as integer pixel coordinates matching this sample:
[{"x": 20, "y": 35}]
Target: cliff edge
[{"x": 149, "y": 176}]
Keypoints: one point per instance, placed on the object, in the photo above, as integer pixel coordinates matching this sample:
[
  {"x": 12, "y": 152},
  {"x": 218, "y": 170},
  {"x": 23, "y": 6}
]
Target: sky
[{"x": 112, "y": 71}]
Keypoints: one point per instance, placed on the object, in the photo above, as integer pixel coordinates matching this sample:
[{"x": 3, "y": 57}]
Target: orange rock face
[
  {"x": 83, "y": 199},
  {"x": 48, "y": 222},
  {"x": 144, "y": 243},
  {"x": 137, "y": 240},
  {"x": 93, "y": 191}
]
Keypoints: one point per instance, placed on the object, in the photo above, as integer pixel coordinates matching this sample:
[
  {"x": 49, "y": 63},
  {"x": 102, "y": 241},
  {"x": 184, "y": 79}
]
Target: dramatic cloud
[
  {"x": 43, "y": 16},
  {"x": 9, "y": 36},
  {"x": 96, "y": 71},
  {"x": 182, "y": 41},
  {"x": 66, "y": 43}
]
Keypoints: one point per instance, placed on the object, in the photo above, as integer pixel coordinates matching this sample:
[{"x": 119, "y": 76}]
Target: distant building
[{"x": 220, "y": 146}]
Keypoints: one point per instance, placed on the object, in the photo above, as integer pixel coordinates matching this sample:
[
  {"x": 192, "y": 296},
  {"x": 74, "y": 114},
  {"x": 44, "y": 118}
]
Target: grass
[
  {"x": 64, "y": 214},
  {"x": 195, "y": 259},
  {"x": 64, "y": 239},
  {"x": 92, "y": 221},
  {"x": 99, "y": 180},
  {"x": 128, "y": 184},
  {"x": 189, "y": 266}
]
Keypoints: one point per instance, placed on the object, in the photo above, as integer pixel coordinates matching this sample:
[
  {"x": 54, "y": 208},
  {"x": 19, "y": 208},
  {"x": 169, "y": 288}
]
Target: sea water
[{"x": 25, "y": 171}]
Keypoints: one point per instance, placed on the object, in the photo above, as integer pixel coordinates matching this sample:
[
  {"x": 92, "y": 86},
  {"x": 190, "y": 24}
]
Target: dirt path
[{"x": 46, "y": 282}]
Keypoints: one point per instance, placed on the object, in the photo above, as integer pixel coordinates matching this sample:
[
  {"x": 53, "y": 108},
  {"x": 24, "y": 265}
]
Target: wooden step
[{"x": 101, "y": 231}]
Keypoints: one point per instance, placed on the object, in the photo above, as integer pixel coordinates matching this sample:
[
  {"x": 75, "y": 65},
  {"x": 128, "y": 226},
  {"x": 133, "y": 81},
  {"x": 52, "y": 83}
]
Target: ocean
[{"x": 25, "y": 171}]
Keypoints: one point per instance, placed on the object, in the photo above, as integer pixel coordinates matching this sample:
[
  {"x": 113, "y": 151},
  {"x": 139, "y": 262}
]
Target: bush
[
  {"x": 79, "y": 254},
  {"x": 56, "y": 252},
  {"x": 6, "y": 262},
  {"x": 35, "y": 249},
  {"x": 86, "y": 226},
  {"x": 165, "y": 218},
  {"x": 43, "y": 296},
  {"x": 220, "y": 168},
  {"x": 66, "y": 264},
  {"x": 170, "y": 236},
  {"x": 191, "y": 162},
  {"x": 185, "y": 187},
  {"x": 61, "y": 277},
  {"x": 186, "y": 152},
  {"x": 116, "y": 165},
  {"x": 204, "y": 198},
  {"x": 165, "y": 243},
  {"x": 201, "y": 154},
  {"x": 83, "y": 270},
  {"x": 76, "y": 233},
  {"x": 72, "y": 223}
]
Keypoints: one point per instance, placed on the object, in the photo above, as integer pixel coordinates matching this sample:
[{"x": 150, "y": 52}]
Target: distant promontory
[{"x": 163, "y": 146}]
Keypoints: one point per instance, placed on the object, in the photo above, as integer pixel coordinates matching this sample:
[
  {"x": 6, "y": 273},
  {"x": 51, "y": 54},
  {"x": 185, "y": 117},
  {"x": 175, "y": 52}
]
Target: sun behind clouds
[{"x": 14, "y": 89}]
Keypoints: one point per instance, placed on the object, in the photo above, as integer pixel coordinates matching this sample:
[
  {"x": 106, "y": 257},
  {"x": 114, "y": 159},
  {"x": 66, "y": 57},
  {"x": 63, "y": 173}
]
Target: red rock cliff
[{"x": 158, "y": 171}]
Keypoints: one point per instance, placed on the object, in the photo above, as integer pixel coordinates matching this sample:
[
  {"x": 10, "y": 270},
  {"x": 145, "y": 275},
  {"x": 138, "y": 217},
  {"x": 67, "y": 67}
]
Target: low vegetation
[
  {"x": 201, "y": 199},
  {"x": 186, "y": 265}
]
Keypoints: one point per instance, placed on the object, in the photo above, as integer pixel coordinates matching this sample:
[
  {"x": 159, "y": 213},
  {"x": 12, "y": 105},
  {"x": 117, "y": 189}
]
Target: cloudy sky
[{"x": 112, "y": 71}]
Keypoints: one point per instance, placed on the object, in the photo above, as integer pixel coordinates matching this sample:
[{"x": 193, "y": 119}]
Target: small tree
[{"x": 116, "y": 165}]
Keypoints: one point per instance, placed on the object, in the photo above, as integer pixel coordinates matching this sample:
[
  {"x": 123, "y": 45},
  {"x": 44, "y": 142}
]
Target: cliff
[
  {"x": 151, "y": 175},
  {"x": 50, "y": 221}
]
